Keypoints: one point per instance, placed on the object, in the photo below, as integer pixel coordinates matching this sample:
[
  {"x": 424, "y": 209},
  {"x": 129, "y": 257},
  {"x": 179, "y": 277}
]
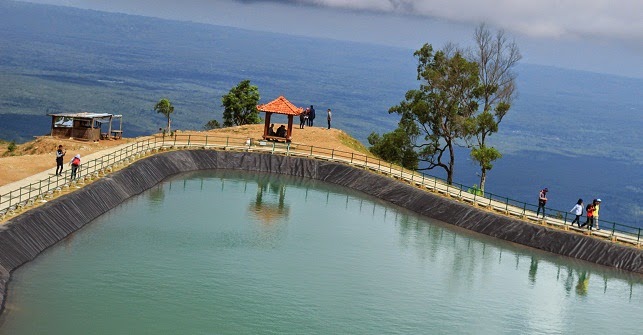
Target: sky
[{"x": 604, "y": 36}]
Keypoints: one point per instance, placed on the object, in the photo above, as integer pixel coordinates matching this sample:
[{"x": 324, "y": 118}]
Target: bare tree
[{"x": 496, "y": 56}]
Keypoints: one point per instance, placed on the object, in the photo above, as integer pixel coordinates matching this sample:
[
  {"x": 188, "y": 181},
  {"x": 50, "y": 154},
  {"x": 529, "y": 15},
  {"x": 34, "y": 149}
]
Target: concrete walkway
[{"x": 52, "y": 171}]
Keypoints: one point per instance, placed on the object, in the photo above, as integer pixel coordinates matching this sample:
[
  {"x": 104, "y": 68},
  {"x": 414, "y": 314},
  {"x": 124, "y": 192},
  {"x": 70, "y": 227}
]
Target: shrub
[{"x": 12, "y": 146}]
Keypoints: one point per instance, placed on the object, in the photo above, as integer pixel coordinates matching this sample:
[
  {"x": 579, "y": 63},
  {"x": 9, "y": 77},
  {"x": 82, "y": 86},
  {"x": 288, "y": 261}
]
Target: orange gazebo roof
[{"x": 280, "y": 105}]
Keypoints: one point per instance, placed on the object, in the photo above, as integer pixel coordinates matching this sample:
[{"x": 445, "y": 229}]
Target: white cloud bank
[{"x": 622, "y": 19}]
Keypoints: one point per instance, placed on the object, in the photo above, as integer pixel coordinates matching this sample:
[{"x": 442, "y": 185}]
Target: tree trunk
[
  {"x": 168, "y": 126},
  {"x": 483, "y": 178},
  {"x": 451, "y": 165}
]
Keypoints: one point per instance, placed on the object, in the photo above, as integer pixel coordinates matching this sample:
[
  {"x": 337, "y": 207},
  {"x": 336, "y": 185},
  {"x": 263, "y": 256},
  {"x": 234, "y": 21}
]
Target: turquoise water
[{"x": 234, "y": 253}]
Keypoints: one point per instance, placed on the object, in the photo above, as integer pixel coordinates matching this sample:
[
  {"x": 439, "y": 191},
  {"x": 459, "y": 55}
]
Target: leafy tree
[
  {"x": 434, "y": 117},
  {"x": 496, "y": 56},
  {"x": 396, "y": 147},
  {"x": 240, "y": 105},
  {"x": 212, "y": 124},
  {"x": 164, "y": 106}
]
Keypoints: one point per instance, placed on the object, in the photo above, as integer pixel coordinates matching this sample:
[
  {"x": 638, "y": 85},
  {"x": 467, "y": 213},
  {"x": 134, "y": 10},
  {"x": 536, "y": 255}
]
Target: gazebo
[{"x": 280, "y": 105}]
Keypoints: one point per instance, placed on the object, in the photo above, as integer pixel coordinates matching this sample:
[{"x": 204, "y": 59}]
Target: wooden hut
[
  {"x": 85, "y": 126},
  {"x": 280, "y": 105}
]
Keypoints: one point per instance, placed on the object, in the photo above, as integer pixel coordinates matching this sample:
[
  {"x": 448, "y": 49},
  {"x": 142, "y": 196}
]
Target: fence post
[
  {"x": 507, "y": 205},
  {"x": 565, "y": 217},
  {"x": 332, "y": 154},
  {"x": 524, "y": 209},
  {"x": 638, "y": 237},
  {"x": 352, "y": 154},
  {"x": 189, "y": 137},
  {"x": 206, "y": 141},
  {"x": 227, "y": 140}
]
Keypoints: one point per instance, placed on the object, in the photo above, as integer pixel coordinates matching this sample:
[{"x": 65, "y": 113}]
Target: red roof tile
[{"x": 280, "y": 105}]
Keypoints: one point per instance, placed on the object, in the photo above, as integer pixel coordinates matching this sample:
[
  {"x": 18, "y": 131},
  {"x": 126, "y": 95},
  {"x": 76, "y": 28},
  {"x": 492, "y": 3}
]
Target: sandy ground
[{"x": 39, "y": 155}]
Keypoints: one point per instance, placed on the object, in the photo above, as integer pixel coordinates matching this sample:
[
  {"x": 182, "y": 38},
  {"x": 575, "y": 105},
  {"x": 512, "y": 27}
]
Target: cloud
[{"x": 621, "y": 19}]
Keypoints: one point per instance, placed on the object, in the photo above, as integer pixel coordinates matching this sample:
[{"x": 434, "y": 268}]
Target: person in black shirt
[{"x": 60, "y": 154}]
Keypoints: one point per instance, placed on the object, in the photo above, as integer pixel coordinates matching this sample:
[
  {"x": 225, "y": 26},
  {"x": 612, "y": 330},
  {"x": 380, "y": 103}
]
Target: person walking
[
  {"x": 597, "y": 207},
  {"x": 329, "y": 117},
  {"x": 75, "y": 163},
  {"x": 578, "y": 211},
  {"x": 542, "y": 200},
  {"x": 590, "y": 216},
  {"x": 311, "y": 116},
  {"x": 60, "y": 156}
]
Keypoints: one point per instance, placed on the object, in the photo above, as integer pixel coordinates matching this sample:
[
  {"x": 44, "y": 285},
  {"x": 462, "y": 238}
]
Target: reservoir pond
[{"x": 228, "y": 252}]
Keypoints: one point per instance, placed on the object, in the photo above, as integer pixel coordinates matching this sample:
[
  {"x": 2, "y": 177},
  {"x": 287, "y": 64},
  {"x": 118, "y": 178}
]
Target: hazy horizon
[{"x": 587, "y": 36}]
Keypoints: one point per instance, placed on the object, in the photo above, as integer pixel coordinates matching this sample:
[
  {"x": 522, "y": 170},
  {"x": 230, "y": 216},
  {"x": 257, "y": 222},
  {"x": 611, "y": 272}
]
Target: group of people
[
  {"x": 74, "y": 162},
  {"x": 591, "y": 210},
  {"x": 307, "y": 117},
  {"x": 281, "y": 131}
]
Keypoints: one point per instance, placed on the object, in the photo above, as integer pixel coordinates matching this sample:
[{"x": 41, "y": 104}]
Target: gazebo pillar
[
  {"x": 267, "y": 124},
  {"x": 289, "y": 130}
]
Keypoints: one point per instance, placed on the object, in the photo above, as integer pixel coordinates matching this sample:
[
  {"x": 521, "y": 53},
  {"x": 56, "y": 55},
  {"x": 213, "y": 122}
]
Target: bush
[
  {"x": 475, "y": 190},
  {"x": 12, "y": 146}
]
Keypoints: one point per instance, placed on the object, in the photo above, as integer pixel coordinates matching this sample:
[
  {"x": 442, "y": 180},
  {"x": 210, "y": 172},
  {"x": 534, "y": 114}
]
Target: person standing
[
  {"x": 60, "y": 154},
  {"x": 302, "y": 118},
  {"x": 329, "y": 117},
  {"x": 590, "y": 216},
  {"x": 542, "y": 200},
  {"x": 75, "y": 163},
  {"x": 311, "y": 116},
  {"x": 597, "y": 206},
  {"x": 578, "y": 211}
]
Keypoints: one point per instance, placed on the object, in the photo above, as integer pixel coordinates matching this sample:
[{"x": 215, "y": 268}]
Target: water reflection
[
  {"x": 156, "y": 195},
  {"x": 470, "y": 254},
  {"x": 474, "y": 251},
  {"x": 533, "y": 268},
  {"x": 265, "y": 207}
]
